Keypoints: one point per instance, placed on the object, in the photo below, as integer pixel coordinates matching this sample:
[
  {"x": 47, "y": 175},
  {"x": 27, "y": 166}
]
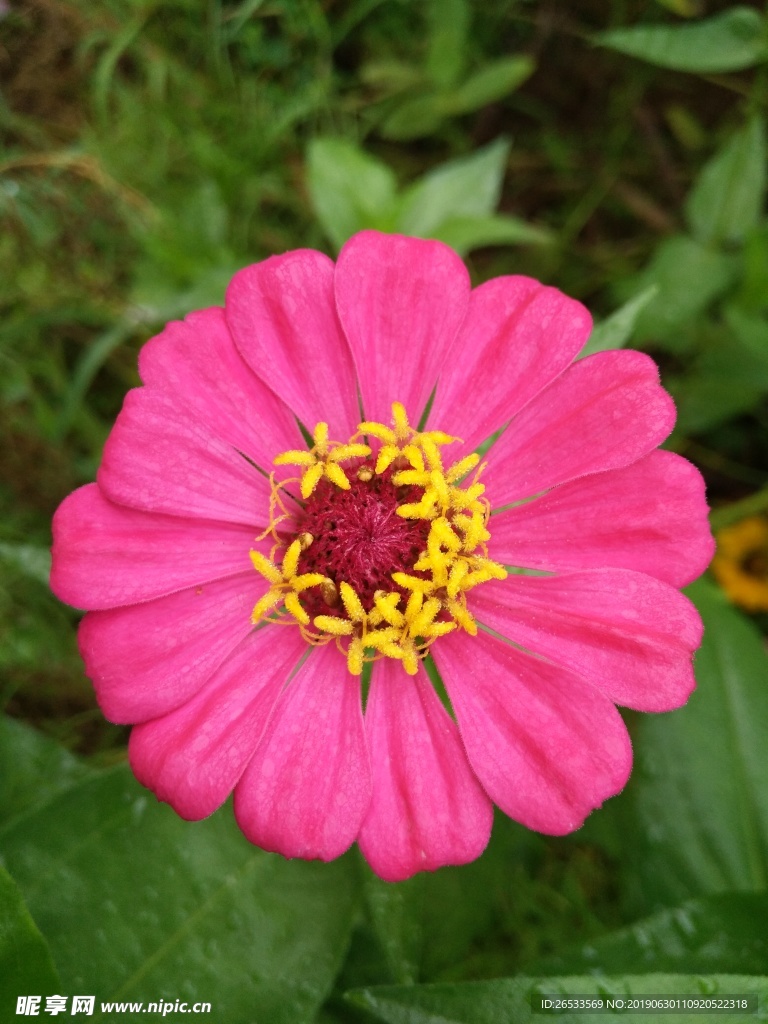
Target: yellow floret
[
  {"x": 285, "y": 584},
  {"x": 322, "y": 460}
]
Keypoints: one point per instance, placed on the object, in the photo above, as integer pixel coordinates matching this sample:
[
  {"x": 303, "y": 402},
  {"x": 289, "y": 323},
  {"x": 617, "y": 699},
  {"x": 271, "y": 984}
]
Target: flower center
[
  {"x": 384, "y": 546},
  {"x": 358, "y": 537}
]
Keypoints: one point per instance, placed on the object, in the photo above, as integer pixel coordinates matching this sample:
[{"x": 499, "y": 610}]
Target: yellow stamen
[
  {"x": 427, "y": 601},
  {"x": 352, "y": 604},
  {"x": 460, "y": 469},
  {"x": 285, "y": 584},
  {"x": 333, "y": 624},
  {"x": 396, "y": 442},
  {"x": 322, "y": 460}
]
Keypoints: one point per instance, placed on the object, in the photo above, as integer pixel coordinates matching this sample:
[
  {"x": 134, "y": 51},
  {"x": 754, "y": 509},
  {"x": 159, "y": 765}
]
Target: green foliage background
[{"x": 149, "y": 149}]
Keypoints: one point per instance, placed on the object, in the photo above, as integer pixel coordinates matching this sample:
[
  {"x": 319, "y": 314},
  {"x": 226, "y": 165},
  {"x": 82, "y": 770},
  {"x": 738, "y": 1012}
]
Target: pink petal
[
  {"x": 192, "y": 757},
  {"x": 282, "y": 316},
  {"x": 547, "y": 747},
  {"x": 160, "y": 460},
  {"x": 630, "y": 635},
  {"x": 401, "y": 302},
  {"x": 650, "y": 516},
  {"x": 518, "y": 337},
  {"x": 147, "y": 659},
  {"x": 107, "y": 555},
  {"x": 604, "y": 412},
  {"x": 427, "y": 807},
  {"x": 307, "y": 788},
  {"x": 195, "y": 363}
]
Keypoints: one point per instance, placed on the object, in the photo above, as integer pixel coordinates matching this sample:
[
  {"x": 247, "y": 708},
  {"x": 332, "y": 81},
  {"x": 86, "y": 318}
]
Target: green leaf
[
  {"x": 395, "y": 912},
  {"x": 705, "y": 400},
  {"x": 137, "y": 903},
  {"x": 729, "y": 375},
  {"x": 33, "y": 768},
  {"x": 26, "y": 967},
  {"x": 616, "y": 330},
  {"x": 350, "y": 190},
  {"x": 508, "y": 1000},
  {"x": 717, "y": 934},
  {"x": 423, "y": 114},
  {"x": 466, "y": 233},
  {"x": 464, "y": 188},
  {"x": 449, "y": 21},
  {"x": 689, "y": 276},
  {"x": 730, "y": 41},
  {"x": 727, "y": 200},
  {"x": 752, "y": 334},
  {"x": 753, "y": 286},
  {"x": 416, "y": 116},
  {"x": 495, "y": 81},
  {"x": 457, "y": 921},
  {"x": 700, "y": 785}
]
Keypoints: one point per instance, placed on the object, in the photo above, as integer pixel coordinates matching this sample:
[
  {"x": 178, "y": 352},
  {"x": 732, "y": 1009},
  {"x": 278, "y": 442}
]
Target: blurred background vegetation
[{"x": 149, "y": 149}]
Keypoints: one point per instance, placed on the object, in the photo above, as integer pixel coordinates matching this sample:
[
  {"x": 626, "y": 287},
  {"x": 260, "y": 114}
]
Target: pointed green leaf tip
[
  {"x": 26, "y": 967},
  {"x": 727, "y": 199},
  {"x": 730, "y": 41}
]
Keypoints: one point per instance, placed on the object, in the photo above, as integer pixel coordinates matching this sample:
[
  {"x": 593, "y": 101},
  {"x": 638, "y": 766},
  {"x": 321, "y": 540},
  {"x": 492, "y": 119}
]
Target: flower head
[{"x": 294, "y": 501}]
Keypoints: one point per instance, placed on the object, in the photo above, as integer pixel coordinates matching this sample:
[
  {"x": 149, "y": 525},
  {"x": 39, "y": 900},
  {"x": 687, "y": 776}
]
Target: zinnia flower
[{"x": 292, "y": 511}]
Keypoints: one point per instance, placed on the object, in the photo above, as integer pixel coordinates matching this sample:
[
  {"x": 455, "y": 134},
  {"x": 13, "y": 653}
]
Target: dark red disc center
[{"x": 358, "y": 537}]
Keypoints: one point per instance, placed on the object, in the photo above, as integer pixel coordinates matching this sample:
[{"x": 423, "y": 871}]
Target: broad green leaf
[
  {"x": 689, "y": 276},
  {"x": 700, "y": 784},
  {"x": 753, "y": 287},
  {"x": 466, "y": 233},
  {"x": 449, "y": 21},
  {"x": 717, "y": 934},
  {"x": 752, "y": 334},
  {"x": 450, "y": 923},
  {"x": 509, "y": 1000},
  {"x": 706, "y": 399},
  {"x": 389, "y": 75},
  {"x": 26, "y": 967},
  {"x": 423, "y": 114},
  {"x": 729, "y": 375},
  {"x": 730, "y": 41},
  {"x": 495, "y": 81},
  {"x": 468, "y": 187},
  {"x": 616, "y": 330},
  {"x": 416, "y": 116},
  {"x": 33, "y": 768},
  {"x": 396, "y": 914},
  {"x": 137, "y": 904},
  {"x": 350, "y": 190},
  {"x": 727, "y": 200}
]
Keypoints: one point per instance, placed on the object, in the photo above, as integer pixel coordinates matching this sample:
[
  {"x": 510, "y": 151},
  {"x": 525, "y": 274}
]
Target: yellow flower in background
[{"x": 741, "y": 562}]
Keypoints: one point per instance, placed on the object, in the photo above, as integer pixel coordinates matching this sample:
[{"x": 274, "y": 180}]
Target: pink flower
[{"x": 239, "y": 578}]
